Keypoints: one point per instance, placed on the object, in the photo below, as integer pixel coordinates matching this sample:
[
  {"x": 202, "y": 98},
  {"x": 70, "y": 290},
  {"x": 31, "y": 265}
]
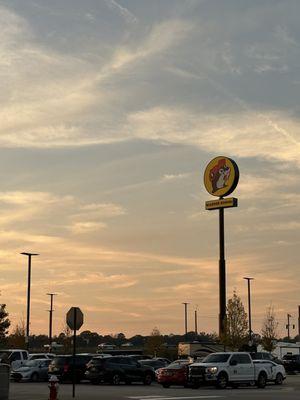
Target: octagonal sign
[{"x": 74, "y": 318}]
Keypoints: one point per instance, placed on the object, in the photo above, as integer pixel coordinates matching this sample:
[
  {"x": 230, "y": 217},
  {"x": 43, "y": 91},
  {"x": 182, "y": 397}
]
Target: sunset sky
[{"x": 110, "y": 111}]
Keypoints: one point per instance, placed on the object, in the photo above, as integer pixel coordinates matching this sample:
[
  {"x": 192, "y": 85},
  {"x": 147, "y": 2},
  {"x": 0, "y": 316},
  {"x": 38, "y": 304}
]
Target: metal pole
[
  {"x": 28, "y": 301},
  {"x": 288, "y": 325},
  {"x": 222, "y": 275},
  {"x": 249, "y": 307},
  {"x": 28, "y": 296},
  {"x": 185, "y": 319},
  {"x": 74, "y": 352},
  {"x": 50, "y": 320},
  {"x": 196, "y": 324},
  {"x": 299, "y": 322}
]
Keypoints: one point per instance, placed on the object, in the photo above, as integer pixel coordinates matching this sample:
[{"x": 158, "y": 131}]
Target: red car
[{"x": 175, "y": 373}]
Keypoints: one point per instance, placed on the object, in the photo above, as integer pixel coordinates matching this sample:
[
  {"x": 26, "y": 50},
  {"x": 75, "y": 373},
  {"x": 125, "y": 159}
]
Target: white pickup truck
[
  {"x": 228, "y": 369},
  {"x": 14, "y": 357}
]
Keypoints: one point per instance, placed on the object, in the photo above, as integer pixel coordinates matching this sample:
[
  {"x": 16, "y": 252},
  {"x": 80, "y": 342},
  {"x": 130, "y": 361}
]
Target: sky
[{"x": 109, "y": 112}]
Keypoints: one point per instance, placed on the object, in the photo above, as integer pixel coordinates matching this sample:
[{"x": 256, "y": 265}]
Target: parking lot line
[{"x": 200, "y": 397}]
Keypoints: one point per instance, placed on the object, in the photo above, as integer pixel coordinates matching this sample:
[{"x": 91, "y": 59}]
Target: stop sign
[{"x": 74, "y": 318}]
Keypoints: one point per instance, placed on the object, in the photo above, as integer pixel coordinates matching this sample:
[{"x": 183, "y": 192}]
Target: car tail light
[{"x": 66, "y": 368}]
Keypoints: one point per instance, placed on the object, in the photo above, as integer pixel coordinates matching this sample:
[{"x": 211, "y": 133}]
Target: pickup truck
[
  {"x": 228, "y": 369},
  {"x": 14, "y": 357}
]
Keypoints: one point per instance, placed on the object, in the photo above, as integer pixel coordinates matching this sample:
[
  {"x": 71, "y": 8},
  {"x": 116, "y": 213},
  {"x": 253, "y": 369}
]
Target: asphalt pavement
[{"x": 290, "y": 390}]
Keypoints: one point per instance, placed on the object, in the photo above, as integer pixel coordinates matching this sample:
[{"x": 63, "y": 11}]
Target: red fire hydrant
[{"x": 53, "y": 387}]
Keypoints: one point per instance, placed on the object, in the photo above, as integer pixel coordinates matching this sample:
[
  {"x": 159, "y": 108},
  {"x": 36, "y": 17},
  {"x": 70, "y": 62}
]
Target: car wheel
[
  {"x": 115, "y": 380},
  {"x": 35, "y": 377},
  {"x": 279, "y": 379},
  {"x": 222, "y": 381},
  {"x": 165, "y": 385},
  {"x": 147, "y": 379},
  {"x": 261, "y": 381}
]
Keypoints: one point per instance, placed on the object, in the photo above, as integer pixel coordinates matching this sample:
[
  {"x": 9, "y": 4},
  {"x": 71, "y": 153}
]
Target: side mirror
[{"x": 233, "y": 363}]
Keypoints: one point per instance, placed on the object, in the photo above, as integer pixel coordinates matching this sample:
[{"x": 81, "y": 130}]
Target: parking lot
[{"x": 290, "y": 390}]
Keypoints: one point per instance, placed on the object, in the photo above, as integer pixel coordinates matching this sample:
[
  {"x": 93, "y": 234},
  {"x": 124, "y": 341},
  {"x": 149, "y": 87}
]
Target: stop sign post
[{"x": 74, "y": 321}]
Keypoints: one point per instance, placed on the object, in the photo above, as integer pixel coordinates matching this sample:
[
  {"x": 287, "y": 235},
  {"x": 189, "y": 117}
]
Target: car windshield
[
  {"x": 289, "y": 357},
  {"x": 216, "y": 358},
  {"x": 177, "y": 365},
  {"x": 31, "y": 363},
  {"x": 98, "y": 360},
  {"x": 60, "y": 360},
  {"x": 5, "y": 354}
]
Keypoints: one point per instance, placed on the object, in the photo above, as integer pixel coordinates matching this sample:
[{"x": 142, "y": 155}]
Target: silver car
[{"x": 32, "y": 370}]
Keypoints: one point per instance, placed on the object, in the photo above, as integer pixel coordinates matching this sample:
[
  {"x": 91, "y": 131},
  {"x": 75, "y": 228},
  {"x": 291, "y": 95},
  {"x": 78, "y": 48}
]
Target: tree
[
  {"x": 65, "y": 337},
  {"x": 17, "y": 337},
  {"x": 4, "y": 324},
  {"x": 269, "y": 330},
  {"x": 154, "y": 343},
  {"x": 236, "y": 325}
]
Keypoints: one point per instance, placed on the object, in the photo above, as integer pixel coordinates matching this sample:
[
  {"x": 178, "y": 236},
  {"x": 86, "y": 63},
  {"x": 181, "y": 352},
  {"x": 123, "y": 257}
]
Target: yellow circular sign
[{"x": 221, "y": 176}]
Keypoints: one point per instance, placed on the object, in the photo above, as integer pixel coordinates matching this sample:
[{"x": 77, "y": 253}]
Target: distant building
[
  {"x": 198, "y": 349},
  {"x": 283, "y": 348}
]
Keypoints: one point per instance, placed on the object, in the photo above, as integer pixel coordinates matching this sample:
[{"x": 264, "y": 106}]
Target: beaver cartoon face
[{"x": 219, "y": 175}]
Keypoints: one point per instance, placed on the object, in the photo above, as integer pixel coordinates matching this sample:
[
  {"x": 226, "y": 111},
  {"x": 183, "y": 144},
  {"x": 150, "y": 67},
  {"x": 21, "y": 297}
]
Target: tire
[
  {"x": 222, "y": 381},
  {"x": 278, "y": 379},
  {"x": 116, "y": 379},
  {"x": 34, "y": 377},
  {"x": 261, "y": 381},
  {"x": 147, "y": 379},
  {"x": 165, "y": 385}
]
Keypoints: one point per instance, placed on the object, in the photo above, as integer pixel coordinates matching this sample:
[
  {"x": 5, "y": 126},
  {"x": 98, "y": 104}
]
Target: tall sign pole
[
  {"x": 221, "y": 177},
  {"x": 74, "y": 321}
]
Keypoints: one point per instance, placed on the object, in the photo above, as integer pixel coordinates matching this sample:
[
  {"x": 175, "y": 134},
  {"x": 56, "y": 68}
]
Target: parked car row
[
  {"x": 222, "y": 370},
  {"x": 95, "y": 368}
]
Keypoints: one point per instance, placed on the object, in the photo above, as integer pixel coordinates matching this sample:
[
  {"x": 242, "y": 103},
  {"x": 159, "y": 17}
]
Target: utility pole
[
  {"x": 196, "y": 324},
  {"x": 288, "y": 325},
  {"x": 29, "y": 255},
  {"x": 249, "y": 309},
  {"x": 185, "y": 319},
  {"x": 50, "y": 319},
  {"x": 299, "y": 322}
]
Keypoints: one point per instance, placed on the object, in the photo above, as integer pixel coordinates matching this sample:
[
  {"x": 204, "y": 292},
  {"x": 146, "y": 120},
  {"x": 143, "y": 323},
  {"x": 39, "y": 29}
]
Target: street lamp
[
  {"x": 50, "y": 319},
  {"x": 185, "y": 319},
  {"x": 249, "y": 308},
  {"x": 28, "y": 295}
]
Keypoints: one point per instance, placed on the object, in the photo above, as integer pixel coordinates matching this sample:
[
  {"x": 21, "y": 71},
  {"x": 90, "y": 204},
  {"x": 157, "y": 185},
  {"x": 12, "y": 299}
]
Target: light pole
[
  {"x": 50, "y": 319},
  {"x": 249, "y": 308},
  {"x": 28, "y": 295},
  {"x": 185, "y": 319},
  {"x": 196, "y": 323}
]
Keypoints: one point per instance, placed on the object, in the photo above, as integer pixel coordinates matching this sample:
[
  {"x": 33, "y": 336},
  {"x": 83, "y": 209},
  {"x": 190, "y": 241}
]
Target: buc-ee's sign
[{"x": 221, "y": 176}]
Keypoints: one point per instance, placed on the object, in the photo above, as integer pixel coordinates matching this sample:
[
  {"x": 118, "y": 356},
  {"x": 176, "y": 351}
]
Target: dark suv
[
  {"x": 264, "y": 355},
  {"x": 117, "y": 369},
  {"x": 291, "y": 362},
  {"x": 62, "y": 367}
]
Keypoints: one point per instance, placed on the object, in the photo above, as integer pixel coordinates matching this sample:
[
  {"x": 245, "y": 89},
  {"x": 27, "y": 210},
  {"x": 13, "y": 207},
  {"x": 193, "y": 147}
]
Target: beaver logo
[{"x": 219, "y": 175}]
